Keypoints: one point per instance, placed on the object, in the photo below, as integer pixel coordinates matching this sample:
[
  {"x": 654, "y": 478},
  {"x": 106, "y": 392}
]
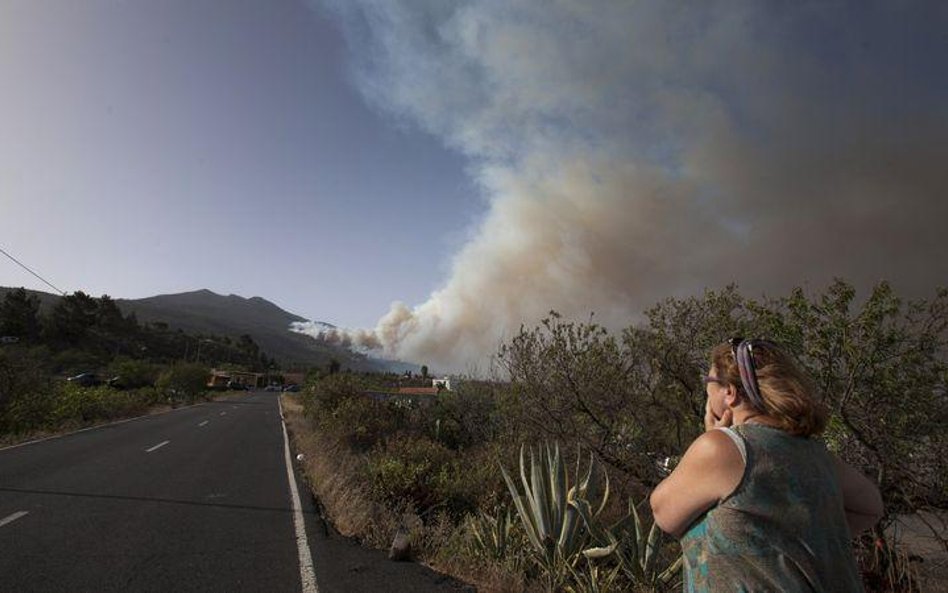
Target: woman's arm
[
  {"x": 711, "y": 469},
  {"x": 861, "y": 498}
]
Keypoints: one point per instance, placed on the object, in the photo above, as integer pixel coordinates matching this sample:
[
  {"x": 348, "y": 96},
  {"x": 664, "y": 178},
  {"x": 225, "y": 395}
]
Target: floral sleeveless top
[{"x": 783, "y": 529}]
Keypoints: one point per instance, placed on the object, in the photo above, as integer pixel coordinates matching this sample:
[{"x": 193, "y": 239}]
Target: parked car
[
  {"x": 238, "y": 386},
  {"x": 292, "y": 387},
  {"x": 273, "y": 387},
  {"x": 85, "y": 380}
]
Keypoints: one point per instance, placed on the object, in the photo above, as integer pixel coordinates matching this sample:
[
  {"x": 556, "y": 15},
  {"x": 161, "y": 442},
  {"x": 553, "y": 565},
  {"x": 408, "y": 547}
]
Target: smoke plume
[{"x": 632, "y": 151}]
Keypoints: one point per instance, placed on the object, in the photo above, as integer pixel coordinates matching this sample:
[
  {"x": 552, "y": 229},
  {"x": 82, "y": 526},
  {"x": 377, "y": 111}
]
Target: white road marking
[
  {"x": 203, "y": 423},
  {"x": 158, "y": 446},
  {"x": 98, "y": 426},
  {"x": 307, "y": 574},
  {"x": 223, "y": 413},
  {"x": 13, "y": 517}
]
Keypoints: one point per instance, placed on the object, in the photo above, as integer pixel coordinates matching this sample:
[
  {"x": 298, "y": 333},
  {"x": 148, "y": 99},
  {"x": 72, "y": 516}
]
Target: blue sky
[
  {"x": 156, "y": 147},
  {"x": 432, "y": 174}
]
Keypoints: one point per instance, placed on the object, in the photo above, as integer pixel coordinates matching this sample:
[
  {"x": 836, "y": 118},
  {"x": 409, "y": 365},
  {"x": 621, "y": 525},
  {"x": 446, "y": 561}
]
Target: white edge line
[
  {"x": 97, "y": 426},
  {"x": 307, "y": 573},
  {"x": 203, "y": 423},
  {"x": 223, "y": 413},
  {"x": 158, "y": 446},
  {"x": 13, "y": 517}
]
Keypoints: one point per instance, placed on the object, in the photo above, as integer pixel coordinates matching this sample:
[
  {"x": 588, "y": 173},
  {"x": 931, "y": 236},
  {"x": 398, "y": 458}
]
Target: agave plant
[
  {"x": 592, "y": 579},
  {"x": 635, "y": 546},
  {"x": 491, "y": 535},
  {"x": 554, "y": 528}
]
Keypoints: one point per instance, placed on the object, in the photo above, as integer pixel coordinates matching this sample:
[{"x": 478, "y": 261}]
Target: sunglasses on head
[
  {"x": 736, "y": 342},
  {"x": 743, "y": 351}
]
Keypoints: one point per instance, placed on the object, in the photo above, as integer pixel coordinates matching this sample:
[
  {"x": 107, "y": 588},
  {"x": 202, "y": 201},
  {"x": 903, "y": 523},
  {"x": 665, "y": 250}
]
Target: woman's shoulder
[
  {"x": 708, "y": 471},
  {"x": 716, "y": 447}
]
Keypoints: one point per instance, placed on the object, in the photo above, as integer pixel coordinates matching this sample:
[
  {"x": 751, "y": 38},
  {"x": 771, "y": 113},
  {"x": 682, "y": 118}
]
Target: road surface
[{"x": 196, "y": 499}]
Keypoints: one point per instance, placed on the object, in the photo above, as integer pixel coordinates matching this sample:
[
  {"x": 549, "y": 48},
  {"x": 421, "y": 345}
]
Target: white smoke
[{"x": 637, "y": 150}]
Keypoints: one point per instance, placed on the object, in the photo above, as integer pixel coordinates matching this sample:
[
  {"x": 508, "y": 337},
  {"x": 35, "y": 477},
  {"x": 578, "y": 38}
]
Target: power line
[{"x": 22, "y": 265}]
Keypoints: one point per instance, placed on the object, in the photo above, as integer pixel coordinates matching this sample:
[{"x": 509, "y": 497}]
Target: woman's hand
[{"x": 711, "y": 421}]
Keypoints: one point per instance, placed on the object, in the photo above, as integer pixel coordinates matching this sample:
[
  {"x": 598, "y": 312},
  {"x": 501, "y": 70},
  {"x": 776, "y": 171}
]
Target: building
[{"x": 222, "y": 379}]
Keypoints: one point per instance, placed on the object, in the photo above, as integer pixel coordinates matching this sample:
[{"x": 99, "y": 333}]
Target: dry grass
[
  {"x": 487, "y": 577},
  {"x": 333, "y": 474}
]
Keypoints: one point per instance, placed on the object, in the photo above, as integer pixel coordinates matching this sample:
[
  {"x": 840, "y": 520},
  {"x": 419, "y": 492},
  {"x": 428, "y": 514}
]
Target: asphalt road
[{"x": 197, "y": 499}]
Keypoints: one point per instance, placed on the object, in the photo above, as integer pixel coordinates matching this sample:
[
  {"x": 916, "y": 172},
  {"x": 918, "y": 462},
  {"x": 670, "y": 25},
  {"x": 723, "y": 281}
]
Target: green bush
[
  {"x": 92, "y": 404},
  {"x": 75, "y": 361},
  {"x": 183, "y": 382},
  {"x": 26, "y": 391},
  {"x": 133, "y": 373},
  {"x": 363, "y": 422},
  {"x": 329, "y": 393},
  {"x": 30, "y": 412},
  {"x": 465, "y": 418},
  {"x": 414, "y": 469}
]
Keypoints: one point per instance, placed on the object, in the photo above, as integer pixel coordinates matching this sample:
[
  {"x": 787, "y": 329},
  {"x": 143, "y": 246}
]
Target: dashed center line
[
  {"x": 203, "y": 423},
  {"x": 13, "y": 517},
  {"x": 158, "y": 446}
]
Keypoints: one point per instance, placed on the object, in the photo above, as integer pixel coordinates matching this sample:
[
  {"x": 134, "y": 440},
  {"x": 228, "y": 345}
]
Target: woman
[{"x": 759, "y": 505}]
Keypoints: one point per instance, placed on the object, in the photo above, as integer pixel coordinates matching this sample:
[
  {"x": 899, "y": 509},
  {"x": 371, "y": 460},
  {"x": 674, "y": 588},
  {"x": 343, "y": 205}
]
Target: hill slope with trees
[{"x": 202, "y": 314}]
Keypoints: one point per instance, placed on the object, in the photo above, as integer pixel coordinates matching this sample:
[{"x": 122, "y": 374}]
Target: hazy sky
[
  {"x": 150, "y": 147},
  {"x": 476, "y": 163}
]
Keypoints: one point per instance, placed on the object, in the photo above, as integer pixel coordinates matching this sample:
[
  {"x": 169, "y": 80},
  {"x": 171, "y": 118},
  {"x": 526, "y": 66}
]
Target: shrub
[
  {"x": 329, "y": 393},
  {"x": 362, "y": 422},
  {"x": 30, "y": 412},
  {"x": 26, "y": 391},
  {"x": 74, "y": 361},
  {"x": 133, "y": 374},
  {"x": 413, "y": 469},
  {"x": 185, "y": 381},
  {"x": 91, "y": 404},
  {"x": 465, "y": 418}
]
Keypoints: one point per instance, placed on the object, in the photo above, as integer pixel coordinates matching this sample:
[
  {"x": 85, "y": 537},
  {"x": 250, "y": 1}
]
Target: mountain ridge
[{"x": 203, "y": 311}]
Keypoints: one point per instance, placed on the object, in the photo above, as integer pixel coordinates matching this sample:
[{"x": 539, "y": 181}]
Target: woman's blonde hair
[{"x": 788, "y": 394}]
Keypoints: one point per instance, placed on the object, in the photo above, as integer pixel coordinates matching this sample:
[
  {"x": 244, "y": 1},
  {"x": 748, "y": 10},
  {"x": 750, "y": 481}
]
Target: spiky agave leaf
[
  {"x": 673, "y": 569},
  {"x": 651, "y": 550},
  {"x": 558, "y": 483},
  {"x": 584, "y": 509},
  {"x": 526, "y": 516},
  {"x": 541, "y": 504},
  {"x": 639, "y": 549}
]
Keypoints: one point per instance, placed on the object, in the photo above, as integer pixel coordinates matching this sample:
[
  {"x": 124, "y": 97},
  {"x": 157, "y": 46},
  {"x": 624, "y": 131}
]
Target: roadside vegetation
[
  {"x": 82, "y": 362},
  {"x": 538, "y": 479}
]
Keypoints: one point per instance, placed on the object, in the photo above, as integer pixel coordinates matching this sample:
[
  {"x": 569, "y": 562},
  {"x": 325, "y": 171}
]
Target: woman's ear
[{"x": 731, "y": 397}]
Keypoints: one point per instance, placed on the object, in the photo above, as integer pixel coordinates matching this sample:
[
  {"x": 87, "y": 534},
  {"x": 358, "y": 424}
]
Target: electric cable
[{"x": 22, "y": 265}]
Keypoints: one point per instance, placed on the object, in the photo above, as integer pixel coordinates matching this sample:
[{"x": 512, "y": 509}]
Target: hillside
[{"x": 206, "y": 312}]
